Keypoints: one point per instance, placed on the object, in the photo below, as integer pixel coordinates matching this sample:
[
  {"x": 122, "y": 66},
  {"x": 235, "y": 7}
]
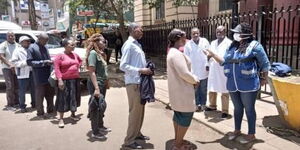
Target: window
[
  {"x": 225, "y": 5},
  {"x": 160, "y": 11}
]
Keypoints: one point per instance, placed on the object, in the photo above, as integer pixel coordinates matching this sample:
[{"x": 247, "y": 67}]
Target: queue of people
[{"x": 232, "y": 68}]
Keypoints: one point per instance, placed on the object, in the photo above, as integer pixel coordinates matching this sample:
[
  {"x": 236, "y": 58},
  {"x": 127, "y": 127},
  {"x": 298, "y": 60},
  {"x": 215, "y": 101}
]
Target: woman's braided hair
[{"x": 93, "y": 44}]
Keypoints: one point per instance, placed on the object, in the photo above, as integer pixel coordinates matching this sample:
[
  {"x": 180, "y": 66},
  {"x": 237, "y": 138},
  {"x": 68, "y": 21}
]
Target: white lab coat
[
  {"x": 216, "y": 78},
  {"x": 197, "y": 56}
]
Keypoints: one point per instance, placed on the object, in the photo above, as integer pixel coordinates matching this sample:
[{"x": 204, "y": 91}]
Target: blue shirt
[
  {"x": 133, "y": 59},
  {"x": 243, "y": 75},
  {"x": 36, "y": 56}
]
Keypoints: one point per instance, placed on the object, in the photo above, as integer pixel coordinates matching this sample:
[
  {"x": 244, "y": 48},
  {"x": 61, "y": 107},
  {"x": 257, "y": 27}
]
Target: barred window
[
  {"x": 225, "y": 5},
  {"x": 160, "y": 11}
]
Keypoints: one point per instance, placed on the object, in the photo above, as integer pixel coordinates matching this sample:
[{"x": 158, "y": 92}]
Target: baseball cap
[{"x": 24, "y": 38}]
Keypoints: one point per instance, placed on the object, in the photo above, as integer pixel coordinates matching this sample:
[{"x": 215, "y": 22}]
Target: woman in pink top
[{"x": 66, "y": 67}]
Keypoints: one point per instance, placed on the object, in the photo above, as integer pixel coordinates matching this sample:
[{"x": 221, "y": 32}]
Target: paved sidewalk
[{"x": 267, "y": 116}]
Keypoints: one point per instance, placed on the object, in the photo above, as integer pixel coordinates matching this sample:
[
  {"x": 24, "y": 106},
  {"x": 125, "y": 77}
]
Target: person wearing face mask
[
  {"x": 8, "y": 68},
  {"x": 194, "y": 50},
  {"x": 66, "y": 66},
  {"x": 246, "y": 67},
  {"x": 23, "y": 72},
  {"x": 181, "y": 84},
  {"x": 216, "y": 78}
]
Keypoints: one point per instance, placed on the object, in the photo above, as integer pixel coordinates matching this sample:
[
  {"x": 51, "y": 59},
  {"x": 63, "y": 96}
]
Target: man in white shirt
[
  {"x": 8, "y": 68},
  {"x": 216, "y": 78},
  {"x": 23, "y": 72},
  {"x": 133, "y": 63},
  {"x": 194, "y": 50}
]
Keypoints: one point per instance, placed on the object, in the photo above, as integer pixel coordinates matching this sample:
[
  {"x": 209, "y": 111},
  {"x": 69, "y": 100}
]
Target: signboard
[
  {"x": 24, "y": 5},
  {"x": 5, "y": 17},
  {"x": 83, "y": 11},
  {"x": 44, "y": 7},
  {"x": 45, "y": 15}
]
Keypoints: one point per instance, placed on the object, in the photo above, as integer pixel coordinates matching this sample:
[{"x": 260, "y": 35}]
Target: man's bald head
[
  {"x": 135, "y": 30},
  {"x": 220, "y": 33},
  {"x": 10, "y": 37},
  {"x": 43, "y": 38}
]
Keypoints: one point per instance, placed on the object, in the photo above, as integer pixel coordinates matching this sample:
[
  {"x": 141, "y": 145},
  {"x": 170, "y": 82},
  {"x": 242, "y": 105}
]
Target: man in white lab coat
[
  {"x": 194, "y": 50},
  {"x": 216, "y": 78}
]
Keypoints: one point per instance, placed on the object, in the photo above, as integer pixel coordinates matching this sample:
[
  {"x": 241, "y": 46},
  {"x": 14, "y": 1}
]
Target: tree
[
  {"x": 191, "y": 3},
  {"x": 32, "y": 15}
]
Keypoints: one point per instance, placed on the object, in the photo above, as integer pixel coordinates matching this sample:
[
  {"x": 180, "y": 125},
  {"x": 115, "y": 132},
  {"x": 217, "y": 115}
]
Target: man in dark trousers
[{"x": 38, "y": 57}]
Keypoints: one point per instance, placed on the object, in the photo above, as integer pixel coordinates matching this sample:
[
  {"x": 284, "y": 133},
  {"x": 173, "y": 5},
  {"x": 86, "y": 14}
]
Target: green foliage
[
  {"x": 178, "y": 3},
  {"x": 153, "y": 3}
]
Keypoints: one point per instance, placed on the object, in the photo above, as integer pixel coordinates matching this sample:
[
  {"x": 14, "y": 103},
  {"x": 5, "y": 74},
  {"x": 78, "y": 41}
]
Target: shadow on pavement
[
  {"x": 215, "y": 116},
  {"x": 275, "y": 125},
  {"x": 44, "y": 117},
  {"x": 233, "y": 144},
  {"x": 170, "y": 144},
  {"x": 68, "y": 120}
]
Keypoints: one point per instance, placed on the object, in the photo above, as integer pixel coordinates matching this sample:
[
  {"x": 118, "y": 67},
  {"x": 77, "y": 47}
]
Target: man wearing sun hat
[{"x": 23, "y": 72}]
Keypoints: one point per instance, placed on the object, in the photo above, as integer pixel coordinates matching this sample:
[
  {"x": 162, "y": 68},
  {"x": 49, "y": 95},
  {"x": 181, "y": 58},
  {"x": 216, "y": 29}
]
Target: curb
[{"x": 200, "y": 121}]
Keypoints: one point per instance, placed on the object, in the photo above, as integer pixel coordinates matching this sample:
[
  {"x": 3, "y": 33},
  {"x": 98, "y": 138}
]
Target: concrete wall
[{"x": 142, "y": 13}]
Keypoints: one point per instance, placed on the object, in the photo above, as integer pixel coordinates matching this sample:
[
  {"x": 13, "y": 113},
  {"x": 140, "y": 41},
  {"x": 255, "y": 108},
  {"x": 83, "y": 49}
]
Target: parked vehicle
[{"x": 53, "y": 46}]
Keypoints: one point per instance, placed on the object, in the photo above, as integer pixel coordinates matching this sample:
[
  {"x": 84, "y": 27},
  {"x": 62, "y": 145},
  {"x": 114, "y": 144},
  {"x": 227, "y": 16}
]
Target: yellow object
[
  {"x": 90, "y": 31},
  {"x": 287, "y": 98}
]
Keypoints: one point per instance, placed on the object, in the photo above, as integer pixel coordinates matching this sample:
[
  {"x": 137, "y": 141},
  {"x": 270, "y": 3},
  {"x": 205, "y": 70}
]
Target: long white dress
[{"x": 216, "y": 78}]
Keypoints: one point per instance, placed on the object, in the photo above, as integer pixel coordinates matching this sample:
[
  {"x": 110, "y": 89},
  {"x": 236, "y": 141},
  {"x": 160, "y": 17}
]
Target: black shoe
[
  {"x": 210, "y": 109},
  {"x": 23, "y": 110},
  {"x": 134, "y": 146},
  {"x": 224, "y": 115},
  {"x": 33, "y": 106},
  {"x": 142, "y": 137},
  {"x": 199, "y": 109}
]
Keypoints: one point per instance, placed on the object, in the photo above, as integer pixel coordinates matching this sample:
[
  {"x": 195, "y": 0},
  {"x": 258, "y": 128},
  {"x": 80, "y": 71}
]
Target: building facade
[
  {"x": 166, "y": 12},
  {"x": 208, "y": 8}
]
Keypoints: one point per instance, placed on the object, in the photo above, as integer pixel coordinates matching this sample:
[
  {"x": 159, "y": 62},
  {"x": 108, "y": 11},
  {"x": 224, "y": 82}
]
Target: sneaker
[
  {"x": 224, "y": 115},
  {"x": 11, "y": 108},
  {"x": 61, "y": 123},
  {"x": 105, "y": 129},
  {"x": 246, "y": 139},
  {"x": 232, "y": 136},
  {"x": 134, "y": 146},
  {"x": 99, "y": 136}
]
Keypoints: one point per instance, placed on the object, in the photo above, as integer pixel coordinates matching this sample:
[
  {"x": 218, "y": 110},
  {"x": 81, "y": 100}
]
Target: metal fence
[{"x": 278, "y": 30}]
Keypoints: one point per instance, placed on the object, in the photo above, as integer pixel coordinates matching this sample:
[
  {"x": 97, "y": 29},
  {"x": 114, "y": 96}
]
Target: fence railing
[{"x": 278, "y": 30}]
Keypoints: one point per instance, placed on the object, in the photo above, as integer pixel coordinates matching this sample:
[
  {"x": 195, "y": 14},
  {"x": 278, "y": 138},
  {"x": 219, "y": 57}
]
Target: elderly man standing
[
  {"x": 8, "y": 68},
  {"x": 133, "y": 63},
  {"x": 216, "y": 78},
  {"x": 24, "y": 72},
  {"x": 39, "y": 59},
  {"x": 194, "y": 49}
]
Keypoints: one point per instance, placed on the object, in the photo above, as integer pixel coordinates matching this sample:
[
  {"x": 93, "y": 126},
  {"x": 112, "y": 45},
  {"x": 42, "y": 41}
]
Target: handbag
[{"x": 52, "y": 79}]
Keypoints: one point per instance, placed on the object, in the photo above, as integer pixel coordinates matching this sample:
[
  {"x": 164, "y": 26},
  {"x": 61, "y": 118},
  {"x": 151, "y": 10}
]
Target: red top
[{"x": 67, "y": 66}]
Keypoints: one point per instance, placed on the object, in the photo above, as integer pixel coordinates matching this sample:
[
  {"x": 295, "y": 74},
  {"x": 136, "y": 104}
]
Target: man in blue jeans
[
  {"x": 194, "y": 50},
  {"x": 23, "y": 72}
]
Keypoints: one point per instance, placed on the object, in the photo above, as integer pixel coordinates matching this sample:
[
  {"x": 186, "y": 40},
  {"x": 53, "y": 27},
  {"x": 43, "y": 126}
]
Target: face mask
[{"x": 236, "y": 37}]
